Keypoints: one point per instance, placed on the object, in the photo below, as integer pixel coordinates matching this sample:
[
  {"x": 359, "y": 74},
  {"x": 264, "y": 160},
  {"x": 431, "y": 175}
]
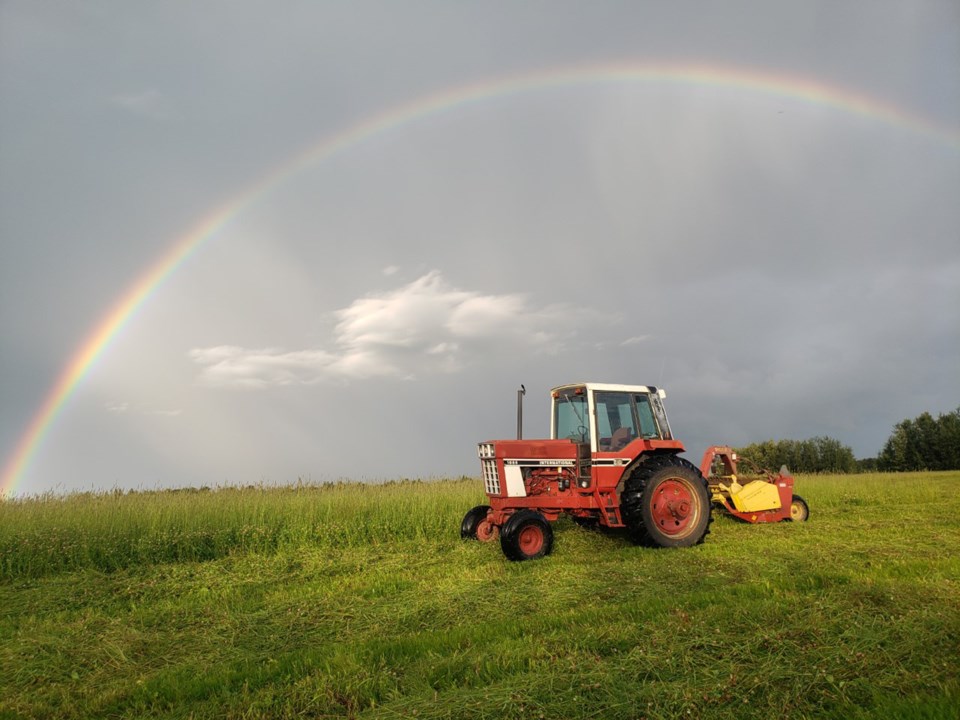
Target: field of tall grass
[
  {"x": 108, "y": 531},
  {"x": 354, "y": 600}
]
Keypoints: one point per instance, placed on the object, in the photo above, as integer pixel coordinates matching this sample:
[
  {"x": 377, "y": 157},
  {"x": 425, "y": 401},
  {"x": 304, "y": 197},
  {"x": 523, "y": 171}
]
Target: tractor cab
[{"x": 608, "y": 417}]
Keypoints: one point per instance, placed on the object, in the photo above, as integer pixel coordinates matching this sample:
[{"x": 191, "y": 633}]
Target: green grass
[
  {"x": 110, "y": 531},
  {"x": 361, "y": 601}
]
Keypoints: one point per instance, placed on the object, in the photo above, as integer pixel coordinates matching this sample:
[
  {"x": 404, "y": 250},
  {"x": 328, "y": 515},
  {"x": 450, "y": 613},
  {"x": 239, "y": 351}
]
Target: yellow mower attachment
[
  {"x": 763, "y": 499},
  {"x": 756, "y": 495}
]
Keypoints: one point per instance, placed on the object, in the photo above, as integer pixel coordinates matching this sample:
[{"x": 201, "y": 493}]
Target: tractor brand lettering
[{"x": 542, "y": 463}]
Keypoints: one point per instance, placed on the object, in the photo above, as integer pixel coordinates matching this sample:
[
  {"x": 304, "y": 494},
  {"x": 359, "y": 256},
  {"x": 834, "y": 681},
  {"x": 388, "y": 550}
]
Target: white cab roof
[{"x": 608, "y": 387}]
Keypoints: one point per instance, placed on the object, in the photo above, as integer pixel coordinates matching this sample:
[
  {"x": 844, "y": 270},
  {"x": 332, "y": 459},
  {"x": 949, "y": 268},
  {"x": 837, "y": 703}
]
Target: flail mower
[{"x": 612, "y": 462}]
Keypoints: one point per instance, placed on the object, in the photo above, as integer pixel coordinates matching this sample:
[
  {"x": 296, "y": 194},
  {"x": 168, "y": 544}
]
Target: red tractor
[{"x": 611, "y": 462}]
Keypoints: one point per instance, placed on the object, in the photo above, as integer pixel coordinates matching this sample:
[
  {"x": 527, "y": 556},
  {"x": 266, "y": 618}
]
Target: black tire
[
  {"x": 666, "y": 503},
  {"x": 468, "y": 528},
  {"x": 799, "y": 510},
  {"x": 526, "y": 535}
]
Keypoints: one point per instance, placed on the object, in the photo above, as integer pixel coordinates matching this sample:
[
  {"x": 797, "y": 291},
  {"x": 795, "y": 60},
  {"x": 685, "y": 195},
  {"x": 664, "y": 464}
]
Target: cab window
[
  {"x": 616, "y": 422},
  {"x": 661, "y": 416},
  {"x": 648, "y": 426}
]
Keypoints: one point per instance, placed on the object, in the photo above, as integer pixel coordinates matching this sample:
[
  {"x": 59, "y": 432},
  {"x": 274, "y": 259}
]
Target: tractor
[{"x": 611, "y": 462}]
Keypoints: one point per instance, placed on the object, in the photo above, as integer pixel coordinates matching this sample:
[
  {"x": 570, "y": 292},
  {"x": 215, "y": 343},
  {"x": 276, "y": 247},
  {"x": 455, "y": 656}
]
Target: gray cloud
[{"x": 784, "y": 268}]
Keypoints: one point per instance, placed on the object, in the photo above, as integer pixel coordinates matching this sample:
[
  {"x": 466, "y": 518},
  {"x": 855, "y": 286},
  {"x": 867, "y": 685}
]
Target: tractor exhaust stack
[{"x": 520, "y": 393}]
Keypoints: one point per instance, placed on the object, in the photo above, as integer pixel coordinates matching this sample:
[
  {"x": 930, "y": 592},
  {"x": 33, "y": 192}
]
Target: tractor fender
[{"x": 637, "y": 462}]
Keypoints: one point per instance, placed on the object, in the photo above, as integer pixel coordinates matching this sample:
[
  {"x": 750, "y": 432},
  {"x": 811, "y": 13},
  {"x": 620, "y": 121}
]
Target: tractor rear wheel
[
  {"x": 526, "y": 535},
  {"x": 799, "y": 511},
  {"x": 472, "y": 520},
  {"x": 665, "y": 503}
]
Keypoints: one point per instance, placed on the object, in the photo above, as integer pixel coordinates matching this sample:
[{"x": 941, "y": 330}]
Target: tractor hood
[{"x": 530, "y": 449}]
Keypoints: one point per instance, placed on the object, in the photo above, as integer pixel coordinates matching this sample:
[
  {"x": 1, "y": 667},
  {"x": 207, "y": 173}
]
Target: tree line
[
  {"x": 923, "y": 443},
  {"x": 816, "y": 455}
]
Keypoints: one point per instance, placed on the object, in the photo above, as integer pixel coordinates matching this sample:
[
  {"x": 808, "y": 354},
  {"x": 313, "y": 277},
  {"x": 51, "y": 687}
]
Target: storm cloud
[{"x": 785, "y": 264}]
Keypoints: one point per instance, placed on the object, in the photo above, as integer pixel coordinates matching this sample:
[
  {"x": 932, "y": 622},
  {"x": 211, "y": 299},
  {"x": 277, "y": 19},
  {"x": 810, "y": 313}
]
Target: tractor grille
[{"x": 491, "y": 478}]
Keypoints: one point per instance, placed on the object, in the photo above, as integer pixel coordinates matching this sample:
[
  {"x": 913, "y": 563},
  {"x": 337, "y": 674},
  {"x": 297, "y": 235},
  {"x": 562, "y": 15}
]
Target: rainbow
[{"x": 796, "y": 88}]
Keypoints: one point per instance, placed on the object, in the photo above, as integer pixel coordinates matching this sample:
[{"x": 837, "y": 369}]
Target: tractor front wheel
[
  {"x": 799, "y": 511},
  {"x": 526, "y": 535},
  {"x": 665, "y": 503},
  {"x": 472, "y": 521}
]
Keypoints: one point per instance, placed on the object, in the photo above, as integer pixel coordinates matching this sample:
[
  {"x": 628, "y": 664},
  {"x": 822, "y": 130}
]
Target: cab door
[{"x": 615, "y": 427}]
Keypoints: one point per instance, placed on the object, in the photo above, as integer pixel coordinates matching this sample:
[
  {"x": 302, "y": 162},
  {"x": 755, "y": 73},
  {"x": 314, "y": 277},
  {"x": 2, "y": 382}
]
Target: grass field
[{"x": 361, "y": 601}]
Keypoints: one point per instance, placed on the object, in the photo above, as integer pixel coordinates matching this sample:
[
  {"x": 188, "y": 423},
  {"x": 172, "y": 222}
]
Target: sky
[{"x": 256, "y": 243}]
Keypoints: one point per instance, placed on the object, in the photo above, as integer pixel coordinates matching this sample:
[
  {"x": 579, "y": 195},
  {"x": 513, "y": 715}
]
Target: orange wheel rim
[
  {"x": 674, "y": 508},
  {"x": 530, "y": 540}
]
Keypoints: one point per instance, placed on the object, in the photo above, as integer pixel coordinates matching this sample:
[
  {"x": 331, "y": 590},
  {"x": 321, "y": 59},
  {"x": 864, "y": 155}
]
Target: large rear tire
[
  {"x": 665, "y": 503},
  {"x": 526, "y": 535}
]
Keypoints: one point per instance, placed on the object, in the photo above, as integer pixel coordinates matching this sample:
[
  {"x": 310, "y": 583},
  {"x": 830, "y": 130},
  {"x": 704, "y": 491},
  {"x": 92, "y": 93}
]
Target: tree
[
  {"x": 816, "y": 455},
  {"x": 923, "y": 443},
  {"x": 866, "y": 465}
]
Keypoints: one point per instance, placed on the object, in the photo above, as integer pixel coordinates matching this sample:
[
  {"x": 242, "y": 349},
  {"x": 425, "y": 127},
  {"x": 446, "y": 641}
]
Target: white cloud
[
  {"x": 229, "y": 365},
  {"x": 390, "y": 270},
  {"x": 121, "y": 407},
  {"x": 426, "y": 326}
]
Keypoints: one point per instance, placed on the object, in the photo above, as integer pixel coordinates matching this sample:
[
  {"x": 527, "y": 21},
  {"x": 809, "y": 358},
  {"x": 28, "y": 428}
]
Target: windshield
[{"x": 570, "y": 415}]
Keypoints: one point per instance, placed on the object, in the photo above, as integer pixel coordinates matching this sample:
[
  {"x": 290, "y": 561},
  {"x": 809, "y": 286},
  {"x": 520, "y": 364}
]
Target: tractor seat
[{"x": 620, "y": 439}]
